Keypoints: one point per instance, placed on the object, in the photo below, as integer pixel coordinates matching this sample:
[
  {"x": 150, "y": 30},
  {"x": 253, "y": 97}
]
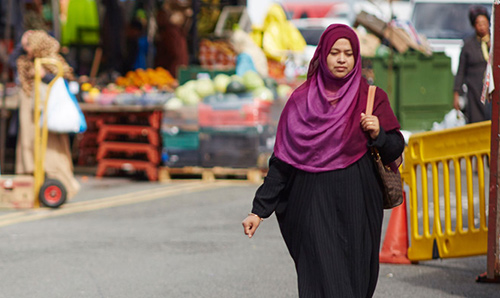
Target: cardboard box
[
  {"x": 398, "y": 38},
  {"x": 16, "y": 192},
  {"x": 402, "y": 42},
  {"x": 369, "y": 43},
  {"x": 371, "y": 23}
]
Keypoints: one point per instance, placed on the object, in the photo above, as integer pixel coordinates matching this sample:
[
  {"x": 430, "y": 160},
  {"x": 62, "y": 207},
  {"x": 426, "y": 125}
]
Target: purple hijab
[{"x": 315, "y": 135}]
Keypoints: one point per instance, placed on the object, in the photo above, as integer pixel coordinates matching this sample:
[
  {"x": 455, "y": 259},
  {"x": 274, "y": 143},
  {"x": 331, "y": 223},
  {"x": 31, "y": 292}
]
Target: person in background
[
  {"x": 18, "y": 50},
  {"x": 136, "y": 49},
  {"x": 171, "y": 39},
  {"x": 472, "y": 66},
  {"x": 322, "y": 182},
  {"x": 58, "y": 162},
  {"x": 33, "y": 16},
  {"x": 112, "y": 38}
]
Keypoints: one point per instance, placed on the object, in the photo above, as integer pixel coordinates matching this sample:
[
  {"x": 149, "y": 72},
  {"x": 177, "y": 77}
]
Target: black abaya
[{"x": 331, "y": 221}]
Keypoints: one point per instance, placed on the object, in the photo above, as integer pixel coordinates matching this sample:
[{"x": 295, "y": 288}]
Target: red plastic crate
[
  {"x": 130, "y": 149},
  {"x": 250, "y": 113},
  {"x": 149, "y": 168},
  {"x": 131, "y": 131}
]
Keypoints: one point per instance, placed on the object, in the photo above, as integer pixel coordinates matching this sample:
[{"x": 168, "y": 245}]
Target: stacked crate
[
  {"x": 131, "y": 143},
  {"x": 179, "y": 131},
  {"x": 87, "y": 142},
  {"x": 236, "y": 131}
]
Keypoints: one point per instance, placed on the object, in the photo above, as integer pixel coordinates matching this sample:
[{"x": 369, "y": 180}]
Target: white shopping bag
[
  {"x": 63, "y": 112},
  {"x": 453, "y": 118}
]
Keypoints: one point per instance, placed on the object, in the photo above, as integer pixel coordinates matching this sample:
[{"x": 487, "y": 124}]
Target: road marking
[{"x": 108, "y": 202}]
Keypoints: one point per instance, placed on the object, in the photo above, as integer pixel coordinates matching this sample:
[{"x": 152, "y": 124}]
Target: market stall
[
  {"x": 217, "y": 116},
  {"x": 216, "y": 111}
]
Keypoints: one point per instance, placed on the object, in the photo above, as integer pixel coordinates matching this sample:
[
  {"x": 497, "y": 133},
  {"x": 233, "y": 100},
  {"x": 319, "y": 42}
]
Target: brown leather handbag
[{"x": 390, "y": 181}]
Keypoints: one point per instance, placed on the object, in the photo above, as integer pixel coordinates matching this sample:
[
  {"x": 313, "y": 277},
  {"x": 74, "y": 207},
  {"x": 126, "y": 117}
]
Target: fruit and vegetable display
[
  {"x": 208, "y": 16},
  {"x": 209, "y": 89},
  {"x": 158, "y": 77},
  {"x": 158, "y": 87},
  {"x": 139, "y": 87},
  {"x": 217, "y": 54}
]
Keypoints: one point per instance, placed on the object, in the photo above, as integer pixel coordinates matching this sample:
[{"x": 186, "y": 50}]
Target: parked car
[
  {"x": 445, "y": 23},
  {"x": 385, "y": 10}
]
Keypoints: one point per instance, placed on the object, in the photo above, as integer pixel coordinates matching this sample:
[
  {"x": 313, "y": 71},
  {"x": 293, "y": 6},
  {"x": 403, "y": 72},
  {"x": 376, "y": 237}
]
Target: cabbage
[
  {"x": 190, "y": 84},
  {"x": 252, "y": 80},
  {"x": 284, "y": 91},
  {"x": 221, "y": 81},
  {"x": 181, "y": 91},
  {"x": 173, "y": 103},
  {"x": 191, "y": 98},
  {"x": 204, "y": 87},
  {"x": 237, "y": 78},
  {"x": 187, "y": 95},
  {"x": 263, "y": 93}
]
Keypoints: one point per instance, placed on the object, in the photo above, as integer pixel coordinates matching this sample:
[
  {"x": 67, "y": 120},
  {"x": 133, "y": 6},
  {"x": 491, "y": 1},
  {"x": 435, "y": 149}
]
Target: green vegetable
[
  {"x": 204, "y": 87},
  {"x": 236, "y": 87},
  {"x": 173, "y": 103},
  {"x": 252, "y": 80},
  {"x": 263, "y": 93},
  {"x": 221, "y": 81},
  {"x": 284, "y": 91}
]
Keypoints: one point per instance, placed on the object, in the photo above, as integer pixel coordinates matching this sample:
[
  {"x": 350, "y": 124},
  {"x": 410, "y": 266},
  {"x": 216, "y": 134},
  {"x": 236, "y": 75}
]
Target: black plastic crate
[
  {"x": 178, "y": 158},
  {"x": 235, "y": 147}
]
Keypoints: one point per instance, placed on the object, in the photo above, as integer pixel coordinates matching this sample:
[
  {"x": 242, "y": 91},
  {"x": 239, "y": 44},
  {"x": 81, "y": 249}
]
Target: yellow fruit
[
  {"x": 94, "y": 92},
  {"x": 86, "y": 86}
]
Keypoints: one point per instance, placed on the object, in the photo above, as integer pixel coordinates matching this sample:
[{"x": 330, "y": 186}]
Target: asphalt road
[{"x": 123, "y": 238}]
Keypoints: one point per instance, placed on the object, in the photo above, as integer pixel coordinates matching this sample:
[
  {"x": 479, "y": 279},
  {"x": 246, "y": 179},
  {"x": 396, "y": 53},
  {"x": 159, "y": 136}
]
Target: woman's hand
[
  {"x": 43, "y": 72},
  {"x": 370, "y": 124},
  {"x": 456, "y": 101},
  {"x": 250, "y": 224}
]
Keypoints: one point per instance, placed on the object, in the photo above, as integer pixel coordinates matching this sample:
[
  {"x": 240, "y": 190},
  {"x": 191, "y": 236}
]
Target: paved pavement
[{"x": 124, "y": 238}]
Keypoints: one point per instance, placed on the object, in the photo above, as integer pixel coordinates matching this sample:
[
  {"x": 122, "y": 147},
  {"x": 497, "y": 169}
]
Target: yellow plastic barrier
[{"x": 443, "y": 225}]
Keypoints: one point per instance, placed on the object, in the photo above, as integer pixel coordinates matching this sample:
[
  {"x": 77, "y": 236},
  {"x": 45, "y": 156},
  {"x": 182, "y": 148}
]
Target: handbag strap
[
  {"x": 369, "y": 110},
  {"x": 371, "y": 97}
]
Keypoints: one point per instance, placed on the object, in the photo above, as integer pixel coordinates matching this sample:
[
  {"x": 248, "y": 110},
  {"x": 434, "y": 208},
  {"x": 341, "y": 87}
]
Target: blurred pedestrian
[
  {"x": 322, "y": 183},
  {"x": 18, "y": 50},
  {"x": 112, "y": 38},
  {"x": 171, "y": 39},
  {"x": 472, "y": 67},
  {"x": 58, "y": 162}
]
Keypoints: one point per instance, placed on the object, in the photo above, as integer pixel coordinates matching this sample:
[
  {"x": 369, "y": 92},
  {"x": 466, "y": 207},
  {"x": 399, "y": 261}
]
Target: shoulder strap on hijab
[{"x": 371, "y": 98}]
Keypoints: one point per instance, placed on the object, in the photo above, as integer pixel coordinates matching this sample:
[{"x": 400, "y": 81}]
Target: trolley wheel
[{"x": 52, "y": 193}]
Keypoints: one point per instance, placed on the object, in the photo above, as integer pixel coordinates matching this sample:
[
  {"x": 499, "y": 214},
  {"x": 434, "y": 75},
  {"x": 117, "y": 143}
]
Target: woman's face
[
  {"x": 340, "y": 60},
  {"x": 482, "y": 26}
]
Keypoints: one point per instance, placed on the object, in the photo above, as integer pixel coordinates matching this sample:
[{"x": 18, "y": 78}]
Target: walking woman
[
  {"x": 472, "y": 66},
  {"x": 322, "y": 183},
  {"x": 58, "y": 162}
]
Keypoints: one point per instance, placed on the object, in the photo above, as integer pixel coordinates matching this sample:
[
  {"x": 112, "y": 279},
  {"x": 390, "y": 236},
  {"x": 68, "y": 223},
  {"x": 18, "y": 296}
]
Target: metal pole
[
  {"x": 493, "y": 255},
  {"x": 151, "y": 31},
  {"x": 193, "y": 41},
  {"x": 56, "y": 20},
  {"x": 3, "y": 111}
]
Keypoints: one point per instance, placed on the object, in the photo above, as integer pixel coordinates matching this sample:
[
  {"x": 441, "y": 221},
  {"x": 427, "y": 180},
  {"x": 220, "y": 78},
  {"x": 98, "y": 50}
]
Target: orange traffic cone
[{"x": 395, "y": 246}]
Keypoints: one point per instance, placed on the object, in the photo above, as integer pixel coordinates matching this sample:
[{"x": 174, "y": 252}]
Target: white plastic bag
[
  {"x": 63, "y": 112},
  {"x": 453, "y": 118}
]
